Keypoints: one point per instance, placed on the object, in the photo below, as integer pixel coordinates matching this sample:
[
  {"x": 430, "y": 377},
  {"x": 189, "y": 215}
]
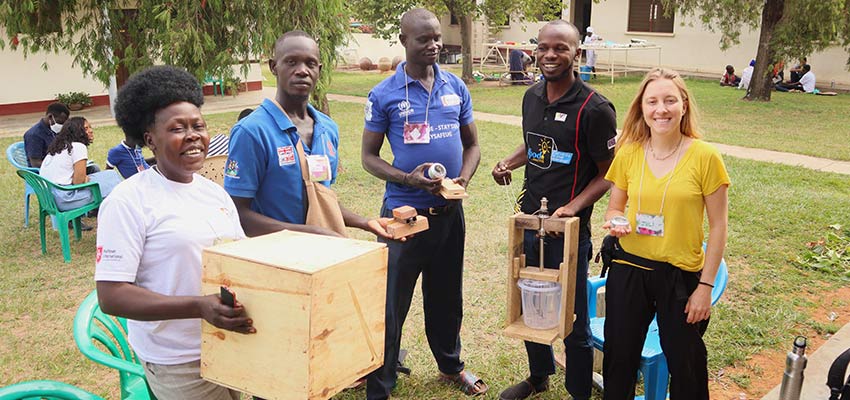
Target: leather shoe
[
  {"x": 83, "y": 226},
  {"x": 524, "y": 389}
]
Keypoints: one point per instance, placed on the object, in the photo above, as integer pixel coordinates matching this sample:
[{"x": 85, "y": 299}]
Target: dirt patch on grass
[{"x": 765, "y": 369}]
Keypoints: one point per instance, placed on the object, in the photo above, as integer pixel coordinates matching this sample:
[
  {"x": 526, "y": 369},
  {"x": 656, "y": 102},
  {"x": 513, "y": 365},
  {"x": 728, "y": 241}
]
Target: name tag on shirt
[
  {"x": 562, "y": 157},
  {"x": 320, "y": 167},
  {"x": 450, "y": 100},
  {"x": 559, "y": 116}
]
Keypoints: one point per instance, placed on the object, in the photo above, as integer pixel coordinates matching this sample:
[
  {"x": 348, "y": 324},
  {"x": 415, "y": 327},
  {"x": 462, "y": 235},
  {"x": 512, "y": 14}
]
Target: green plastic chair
[
  {"x": 217, "y": 84},
  {"x": 51, "y": 390},
  {"x": 103, "y": 339},
  {"x": 47, "y": 206},
  {"x": 36, "y": 390}
]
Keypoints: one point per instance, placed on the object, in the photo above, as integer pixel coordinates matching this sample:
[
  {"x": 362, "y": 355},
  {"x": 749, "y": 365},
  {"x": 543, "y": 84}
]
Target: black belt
[
  {"x": 436, "y": 211},
  {"x": 616, "y": 254}
]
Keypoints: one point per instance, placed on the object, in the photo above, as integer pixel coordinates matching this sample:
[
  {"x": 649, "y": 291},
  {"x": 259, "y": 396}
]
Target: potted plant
[{"x": 74, "y": 100}]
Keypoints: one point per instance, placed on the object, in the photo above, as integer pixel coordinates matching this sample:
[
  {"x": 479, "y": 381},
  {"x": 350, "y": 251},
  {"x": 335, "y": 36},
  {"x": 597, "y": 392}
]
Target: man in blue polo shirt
[
  {"x": 426, "y": 115},
  {"x": 263, "y": 171},
  {"x": 37, "y": 138}
]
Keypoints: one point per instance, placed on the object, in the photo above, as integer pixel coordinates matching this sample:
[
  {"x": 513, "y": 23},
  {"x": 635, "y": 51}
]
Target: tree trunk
[
  {"x": 761, "y": 83},
  {"x": 466, "y": 47}
]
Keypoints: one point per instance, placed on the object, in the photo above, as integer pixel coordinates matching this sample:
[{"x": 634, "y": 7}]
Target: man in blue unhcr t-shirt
[
  {"x": 263, "y": 170},
  {"x": 426, "y": 115}
]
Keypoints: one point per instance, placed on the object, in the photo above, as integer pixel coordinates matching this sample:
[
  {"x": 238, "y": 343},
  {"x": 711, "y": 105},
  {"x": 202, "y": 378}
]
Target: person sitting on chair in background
[
  {"x": 153, "y": 229},
  {"x": 39, "y": 137},
  {"x": 729, "y": 78},
  {"x": 127, "y": 157},
  {"x": 65, "y": 164},
  {"x": 665, "y": 179}
]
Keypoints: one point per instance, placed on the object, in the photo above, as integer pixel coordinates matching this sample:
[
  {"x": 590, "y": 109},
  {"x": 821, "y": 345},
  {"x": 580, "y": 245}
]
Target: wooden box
[
  {"x": 565, "y": 275},
  {"x": 318, "y": 305}
]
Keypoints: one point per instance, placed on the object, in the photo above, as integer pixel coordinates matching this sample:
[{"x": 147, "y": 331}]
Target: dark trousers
[
  {"x": 436, "y": 254},
  {"x": 579, "y": 347},
  {"x": 633, "y": 297}
]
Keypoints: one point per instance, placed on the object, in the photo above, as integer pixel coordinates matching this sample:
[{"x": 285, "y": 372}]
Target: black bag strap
[{"x": 838, "y": 387}]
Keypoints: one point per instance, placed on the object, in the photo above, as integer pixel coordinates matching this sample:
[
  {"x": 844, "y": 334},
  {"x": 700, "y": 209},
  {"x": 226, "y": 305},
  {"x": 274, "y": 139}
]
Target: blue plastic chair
[
  {"x": 37, "y": 390},
  {"x": 653, "y": 364},
  {"x": 103, "y": 339},
  {"x": 16, "y": 154}
]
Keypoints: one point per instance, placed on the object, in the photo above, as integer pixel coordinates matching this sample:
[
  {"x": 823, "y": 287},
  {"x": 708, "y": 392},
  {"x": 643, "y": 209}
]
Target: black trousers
[
  {"x": 436, "y": 254},
  {"x": 633, "y": 297},
  {"x": 578, "y": 344}
]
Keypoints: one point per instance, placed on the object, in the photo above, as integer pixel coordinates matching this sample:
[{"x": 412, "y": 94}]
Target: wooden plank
[
  {"x": 515, "y": 261},
  {"x": 399, "y": 229},
  {"x": 528, "y": 222},
  {"x": 568, "y": 277},
  {"x": 404, "y": 212},
  {"x": 548, "y": 275},
  {"x": 452, "y": 190},
  {"x": 519, "y": 330}
]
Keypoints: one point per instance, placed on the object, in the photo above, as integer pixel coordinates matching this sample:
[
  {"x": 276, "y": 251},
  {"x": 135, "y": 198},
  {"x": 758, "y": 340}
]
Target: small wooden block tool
[
  {"x": 406, "y": 222},
  {"x": 452, "y": 190}
]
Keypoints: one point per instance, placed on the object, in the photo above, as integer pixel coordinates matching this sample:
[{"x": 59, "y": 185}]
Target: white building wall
[
  {"x": 365, "y": 45},
  {"x": 24, "y": 80}
]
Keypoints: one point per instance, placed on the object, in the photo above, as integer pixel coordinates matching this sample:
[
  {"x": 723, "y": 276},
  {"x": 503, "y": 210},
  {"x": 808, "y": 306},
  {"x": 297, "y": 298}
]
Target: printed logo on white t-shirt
[{"x": 285, "y": 155}]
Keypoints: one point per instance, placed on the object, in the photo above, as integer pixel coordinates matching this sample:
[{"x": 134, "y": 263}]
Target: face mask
[{"x": 54, "y": 126}]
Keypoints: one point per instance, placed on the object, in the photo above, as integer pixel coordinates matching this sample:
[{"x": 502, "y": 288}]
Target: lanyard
[
  {"x": 667, "y": 186},
  {"x": 407, "y": 98},
  {"x": 133, "y": 156}
]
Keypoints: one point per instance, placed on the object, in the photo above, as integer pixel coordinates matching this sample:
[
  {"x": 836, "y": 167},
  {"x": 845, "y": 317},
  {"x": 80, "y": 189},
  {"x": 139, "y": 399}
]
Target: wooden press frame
[{"x": 565, "y": 275}]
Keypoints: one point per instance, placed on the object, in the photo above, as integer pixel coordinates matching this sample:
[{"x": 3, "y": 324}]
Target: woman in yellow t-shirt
[{"x": 667, "y": 177}]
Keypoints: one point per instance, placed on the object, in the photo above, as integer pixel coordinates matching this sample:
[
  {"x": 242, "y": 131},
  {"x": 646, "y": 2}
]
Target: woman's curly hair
[
  {"x": 73, "y": 130},
  {"x": 149, "y": 91}
]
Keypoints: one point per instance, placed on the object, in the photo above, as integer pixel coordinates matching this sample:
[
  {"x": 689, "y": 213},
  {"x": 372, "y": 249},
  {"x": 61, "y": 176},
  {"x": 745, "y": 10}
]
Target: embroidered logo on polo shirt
[
  {"x": 99, "y": 254},
  {"x": 285, "y": 155},
  {"x": 330, "y": 147},
  {"x": 404, "y": 108},
  {"x": 450, "y": 100},
  {"x": 232, "y": 169},
  {"x": 612, "y": 142},
  {"x": 540, "y": 150}
]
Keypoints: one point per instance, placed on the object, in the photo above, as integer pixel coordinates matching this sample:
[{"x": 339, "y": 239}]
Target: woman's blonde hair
[{"x": 635, "y": 128}]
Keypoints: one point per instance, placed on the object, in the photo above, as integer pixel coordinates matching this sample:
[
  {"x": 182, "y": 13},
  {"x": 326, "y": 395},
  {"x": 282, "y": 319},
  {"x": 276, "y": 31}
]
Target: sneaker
[{"x": 524, "y": 389}]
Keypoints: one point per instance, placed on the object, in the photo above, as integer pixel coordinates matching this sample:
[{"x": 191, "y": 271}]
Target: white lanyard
[
  {"x": 672, "y": 172},
  {"x": 407, "y": 98},
  {"x": 133, "y": 156}
]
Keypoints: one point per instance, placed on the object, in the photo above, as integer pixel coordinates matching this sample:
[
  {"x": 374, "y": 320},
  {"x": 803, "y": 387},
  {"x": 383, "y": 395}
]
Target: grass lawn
[
  {"x": 791, "y": 122},
  {"x": 774, "y": 211}
]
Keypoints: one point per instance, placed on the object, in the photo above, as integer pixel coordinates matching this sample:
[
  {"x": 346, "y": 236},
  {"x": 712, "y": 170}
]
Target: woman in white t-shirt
[
  {"x": 152, "y": 231},
  {"x": 65, "y": 164}
]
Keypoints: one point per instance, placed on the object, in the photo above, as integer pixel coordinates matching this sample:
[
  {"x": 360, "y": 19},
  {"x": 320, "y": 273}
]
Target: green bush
[{"x": 74, "y": 98}]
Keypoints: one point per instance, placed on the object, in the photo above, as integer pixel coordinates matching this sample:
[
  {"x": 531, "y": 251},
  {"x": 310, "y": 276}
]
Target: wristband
[{"x": 706, "y": 284}]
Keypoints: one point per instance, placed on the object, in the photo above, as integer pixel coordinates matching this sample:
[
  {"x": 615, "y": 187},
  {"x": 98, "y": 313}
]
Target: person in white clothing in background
[{"x": 590, "y": 39}]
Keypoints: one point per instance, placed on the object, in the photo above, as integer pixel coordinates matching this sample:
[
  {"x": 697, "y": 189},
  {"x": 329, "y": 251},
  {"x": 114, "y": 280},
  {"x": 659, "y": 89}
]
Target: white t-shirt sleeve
[
  {"x": 120, "y": 240},
  {"x": 78, "y": 152}
]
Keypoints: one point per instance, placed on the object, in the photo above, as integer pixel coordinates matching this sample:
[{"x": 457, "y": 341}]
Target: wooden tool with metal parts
[
  {"x": 452, "y": 190},
  {"x": 406, "y": 222},
  {"x": 565, "y": 275}
]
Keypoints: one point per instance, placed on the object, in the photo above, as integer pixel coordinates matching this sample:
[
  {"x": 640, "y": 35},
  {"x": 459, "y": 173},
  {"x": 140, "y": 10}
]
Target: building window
[
  {"x": 453, "y": 19},
  {"x": 649, "y": 16}
]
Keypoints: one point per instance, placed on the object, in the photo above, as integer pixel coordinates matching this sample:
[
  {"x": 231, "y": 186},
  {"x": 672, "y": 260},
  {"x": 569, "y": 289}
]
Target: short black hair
[
  {"x": 244, "y": 113},
  {"x": 58, "y": 108},
  {"x": 290, "y": 34},
  {"x": 562, "y": 22},
  {"x": 149, "y": 91},
  {"x": 413, "y": 15},
  {"x": 807, "y": 67}
]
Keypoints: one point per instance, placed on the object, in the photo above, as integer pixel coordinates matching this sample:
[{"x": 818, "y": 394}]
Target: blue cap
[{"x": 753, "y": 63}]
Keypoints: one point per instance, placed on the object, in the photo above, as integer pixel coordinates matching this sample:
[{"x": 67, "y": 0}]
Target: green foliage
[
  {"x": 81, "y": 98},
  {"x": 206, "y": 36},
  {"x": 830, "y": 255}
]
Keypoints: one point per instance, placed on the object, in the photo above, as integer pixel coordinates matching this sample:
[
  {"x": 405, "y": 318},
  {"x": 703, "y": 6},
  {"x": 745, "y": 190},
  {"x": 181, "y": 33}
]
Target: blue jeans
[
  {"x": 71, "y": 199},
  {"x": 579, "y": 345}
]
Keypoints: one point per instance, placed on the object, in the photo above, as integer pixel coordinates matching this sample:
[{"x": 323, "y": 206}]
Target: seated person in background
[
  {"x": 747, "y": 75},
  {"x": 219, "y": 143},
  {"x": 39, "y": 137},
  {"x": 518, "y": 63},
  {"x": 729, "y": 78},
  {"x": 806, "y": 83},
  {"x": 778, "y": 72},
  {"x": 797, "y": 70},
  {"x": 65, "y": 164},
  {"x": 127, "y": 157}
]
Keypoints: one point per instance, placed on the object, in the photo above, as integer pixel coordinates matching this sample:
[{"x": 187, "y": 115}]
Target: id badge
[
  {"x": 650, "y": 225},
  {"x": 319, "y": 167},
  {"x": 417, "y": 133}
]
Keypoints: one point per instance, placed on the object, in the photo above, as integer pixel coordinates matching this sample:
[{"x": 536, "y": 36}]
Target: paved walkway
[{"x": 16, "y": 125}]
